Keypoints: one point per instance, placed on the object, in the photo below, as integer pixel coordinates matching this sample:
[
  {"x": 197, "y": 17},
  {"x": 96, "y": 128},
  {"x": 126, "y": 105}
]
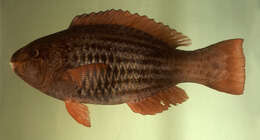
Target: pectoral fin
[
  {"x": 79, "y": 112},
  {"x": 78, "y": 74}
]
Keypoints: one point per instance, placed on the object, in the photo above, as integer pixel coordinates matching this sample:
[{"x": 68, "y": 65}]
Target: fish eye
[{"x": 35, "y": 53}]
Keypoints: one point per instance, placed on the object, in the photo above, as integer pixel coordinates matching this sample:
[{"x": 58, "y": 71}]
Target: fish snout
[
  {"x": 17, "y": 67},
  {"x": 12, "y": 65},
  {"x": 20, "y": 55}
]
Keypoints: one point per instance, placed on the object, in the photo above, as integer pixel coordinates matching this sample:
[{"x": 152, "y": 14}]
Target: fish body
[{"x": 115, "y": 57}]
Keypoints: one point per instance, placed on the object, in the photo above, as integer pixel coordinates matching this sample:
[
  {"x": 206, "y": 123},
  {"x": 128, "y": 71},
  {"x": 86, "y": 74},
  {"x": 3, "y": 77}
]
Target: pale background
[{"x": 27, "y": 114}]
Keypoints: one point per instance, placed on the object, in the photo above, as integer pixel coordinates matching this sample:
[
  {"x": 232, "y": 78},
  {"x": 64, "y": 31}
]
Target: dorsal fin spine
[{"x": 143, "y": 23}]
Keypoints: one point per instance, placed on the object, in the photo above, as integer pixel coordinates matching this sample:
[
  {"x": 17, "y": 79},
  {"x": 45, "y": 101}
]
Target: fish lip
[
  {"x": 13, "y": 60},
  {"x": 15, "y": 66},
  {"x": 12, "y": 65}
]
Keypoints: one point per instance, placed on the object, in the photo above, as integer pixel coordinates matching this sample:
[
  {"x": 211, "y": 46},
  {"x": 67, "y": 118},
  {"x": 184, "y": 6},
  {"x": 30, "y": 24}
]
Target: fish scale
[
  {"x": 111, "y": 57},
  {"x": 124, "y": 57},
  {"x": 119, "y": 87},
  {"x": 136, "y": 54}
]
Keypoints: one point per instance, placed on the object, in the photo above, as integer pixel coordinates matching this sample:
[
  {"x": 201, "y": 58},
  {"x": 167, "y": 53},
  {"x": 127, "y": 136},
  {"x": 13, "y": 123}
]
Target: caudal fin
[
  {"x": 220, "y": 66},
  {"x": 232, "y": 77}
]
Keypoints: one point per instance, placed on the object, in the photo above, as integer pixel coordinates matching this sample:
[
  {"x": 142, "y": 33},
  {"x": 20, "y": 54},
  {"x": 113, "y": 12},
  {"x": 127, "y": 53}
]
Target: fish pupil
[{"x": 35, "y": 53}]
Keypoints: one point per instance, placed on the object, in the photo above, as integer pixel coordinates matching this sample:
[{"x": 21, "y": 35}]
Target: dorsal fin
[{"x": 143, "y": 23}]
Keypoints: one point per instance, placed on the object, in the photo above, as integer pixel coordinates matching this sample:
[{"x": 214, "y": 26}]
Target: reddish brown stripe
[{"x": 118, "y": 30}]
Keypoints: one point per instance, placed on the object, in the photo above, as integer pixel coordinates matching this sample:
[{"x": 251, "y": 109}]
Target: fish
[{"x": 115, "y": 57}]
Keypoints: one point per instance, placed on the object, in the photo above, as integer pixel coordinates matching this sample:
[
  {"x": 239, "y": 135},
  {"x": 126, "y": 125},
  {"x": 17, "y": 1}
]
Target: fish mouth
[
  {"x": 12, "y": 66},
  {"x": 16, "y": 67}
]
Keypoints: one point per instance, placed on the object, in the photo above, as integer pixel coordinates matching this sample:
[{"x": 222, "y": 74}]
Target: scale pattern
[{"x": 136, "y": 62}]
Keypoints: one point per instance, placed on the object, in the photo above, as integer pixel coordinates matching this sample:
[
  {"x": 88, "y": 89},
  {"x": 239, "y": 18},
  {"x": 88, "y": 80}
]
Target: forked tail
[{"x": 220, "y": 66}]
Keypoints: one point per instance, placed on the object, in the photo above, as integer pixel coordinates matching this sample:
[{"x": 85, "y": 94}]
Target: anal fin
[
  {"x": 159, "y": 102},
  {"x": 79, "y": 112}
]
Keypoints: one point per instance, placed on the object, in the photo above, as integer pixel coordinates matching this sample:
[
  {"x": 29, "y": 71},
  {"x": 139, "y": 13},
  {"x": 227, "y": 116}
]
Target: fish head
[{"x": 28, "y": 63}]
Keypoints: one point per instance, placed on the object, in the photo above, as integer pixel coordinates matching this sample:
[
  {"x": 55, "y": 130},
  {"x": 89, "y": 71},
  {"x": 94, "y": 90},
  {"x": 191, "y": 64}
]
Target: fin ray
[
  {"x": 234, "y": 79},
  {"x": 220, "y": 66},
  {"x": 78, "y": 112},
  {"x": 159, "y": 102},
  {"x": 143, "y": 23}
]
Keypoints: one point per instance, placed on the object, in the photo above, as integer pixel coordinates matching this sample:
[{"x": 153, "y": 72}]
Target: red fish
[{"x": 116, "y": 57}]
